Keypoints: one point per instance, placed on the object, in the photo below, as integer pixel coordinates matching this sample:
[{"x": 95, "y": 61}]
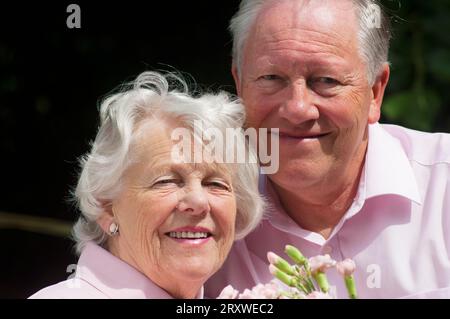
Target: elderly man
[{"x": 346, "y": 185}]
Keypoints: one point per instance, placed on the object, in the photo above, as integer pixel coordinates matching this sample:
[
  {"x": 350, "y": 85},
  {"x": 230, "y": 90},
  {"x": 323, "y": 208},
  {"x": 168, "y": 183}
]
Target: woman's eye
[
  {"x": 164, "y": 182},
  {"x": 219, "y": 185}
]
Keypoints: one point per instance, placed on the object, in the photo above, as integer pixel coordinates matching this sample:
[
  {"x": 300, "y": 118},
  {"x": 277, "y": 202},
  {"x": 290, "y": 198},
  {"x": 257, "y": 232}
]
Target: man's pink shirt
[{"x": 397, "y": 230}]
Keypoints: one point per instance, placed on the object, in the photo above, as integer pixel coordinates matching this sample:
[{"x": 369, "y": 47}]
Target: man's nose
[
  {"x": 298, "y": 106},
  {"x": 194, "y": 201}
]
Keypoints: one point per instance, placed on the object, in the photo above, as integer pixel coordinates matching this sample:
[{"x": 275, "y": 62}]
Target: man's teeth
[{"x": 188, "y": 234}]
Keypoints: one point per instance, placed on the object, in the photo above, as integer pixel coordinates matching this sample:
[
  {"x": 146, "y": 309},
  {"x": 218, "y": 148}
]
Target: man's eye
[
  {"x": 324, "y": 85},
  {"x": 324, "y": 81},
  {"x": 270, "y": 83},
  {"x": 270, "y": 77},
  {"x": 327, "y": 80}
]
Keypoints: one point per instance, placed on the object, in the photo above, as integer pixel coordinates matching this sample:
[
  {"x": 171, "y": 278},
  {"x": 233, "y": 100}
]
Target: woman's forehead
[
  {"x": 157, "y": 150},
  {"x": 203, "y": 168}
]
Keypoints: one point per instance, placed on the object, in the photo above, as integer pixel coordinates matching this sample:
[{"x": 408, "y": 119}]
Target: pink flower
[
  {"x": 321, "y": 263},
  {"x": 260, "y": 291},
  {"x": 273, "y": 258},
  {"x": 228, "y": 293},
  {"x": 247, "y": 294},
  {"x": 318, "y": 295},
  {"x": 346, "y": 267},
  {"x": 268, "y": 291}
]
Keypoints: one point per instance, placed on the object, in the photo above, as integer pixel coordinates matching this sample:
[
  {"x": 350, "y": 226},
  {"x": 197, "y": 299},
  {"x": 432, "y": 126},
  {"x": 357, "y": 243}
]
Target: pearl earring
[{"x": 113, "y": 229}]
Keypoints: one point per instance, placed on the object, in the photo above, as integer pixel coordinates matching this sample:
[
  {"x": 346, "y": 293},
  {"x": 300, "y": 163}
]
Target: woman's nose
[{"x": 194, "y": 201}]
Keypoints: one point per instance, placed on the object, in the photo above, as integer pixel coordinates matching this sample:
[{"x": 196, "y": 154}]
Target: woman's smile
[{"x": 192, "y": 236}]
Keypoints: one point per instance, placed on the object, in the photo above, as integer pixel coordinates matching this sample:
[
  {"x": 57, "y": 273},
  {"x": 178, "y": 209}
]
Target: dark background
[{"x": 52, "y": 77}]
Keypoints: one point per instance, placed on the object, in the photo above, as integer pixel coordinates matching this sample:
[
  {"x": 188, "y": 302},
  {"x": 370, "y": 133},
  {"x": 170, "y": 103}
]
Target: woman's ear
[{"x": 106, "y": 218}]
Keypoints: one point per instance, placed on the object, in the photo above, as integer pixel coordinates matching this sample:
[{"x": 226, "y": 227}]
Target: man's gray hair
[
  {"x": 162, "y": 97},
  {"x": 374, "y": 32}
]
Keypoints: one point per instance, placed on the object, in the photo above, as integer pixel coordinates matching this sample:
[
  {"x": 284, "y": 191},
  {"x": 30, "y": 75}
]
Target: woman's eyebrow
[
  {"x": 157, "y": 170},
  {"x": 165, "y": 168},
  {"x": 217, "y": 171},
  {"x": 208, "y": 169}
]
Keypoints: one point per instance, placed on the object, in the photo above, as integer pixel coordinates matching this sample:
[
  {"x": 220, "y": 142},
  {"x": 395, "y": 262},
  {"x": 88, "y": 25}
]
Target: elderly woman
[{"x": 153, "y": 226}]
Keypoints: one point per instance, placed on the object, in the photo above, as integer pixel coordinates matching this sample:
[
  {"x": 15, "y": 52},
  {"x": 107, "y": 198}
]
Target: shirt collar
[
  {"x": 115, "y": 278},
  {"x": 387, "y": 169}
]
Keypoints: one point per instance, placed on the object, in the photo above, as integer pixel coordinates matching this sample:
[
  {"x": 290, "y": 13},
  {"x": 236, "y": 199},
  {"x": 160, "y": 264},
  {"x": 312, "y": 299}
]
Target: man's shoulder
[{"x": 424, "y": 148}]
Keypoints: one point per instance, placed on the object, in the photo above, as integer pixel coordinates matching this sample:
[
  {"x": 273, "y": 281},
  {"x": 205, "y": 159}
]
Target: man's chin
[{"x": 298, "y": 175}]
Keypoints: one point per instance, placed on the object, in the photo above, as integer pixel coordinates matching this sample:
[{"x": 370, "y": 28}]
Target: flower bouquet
[{"x": 304, "y": 279}]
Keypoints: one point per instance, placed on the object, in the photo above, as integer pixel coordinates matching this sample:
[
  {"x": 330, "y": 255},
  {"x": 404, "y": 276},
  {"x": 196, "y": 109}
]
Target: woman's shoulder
[{"x": 69, "y": 289}]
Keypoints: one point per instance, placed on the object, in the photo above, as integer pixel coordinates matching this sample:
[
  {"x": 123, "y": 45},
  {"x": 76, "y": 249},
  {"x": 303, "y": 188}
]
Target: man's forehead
[
  {"x": 332, "y": 15},
  {"x": 306, "y": 26}
]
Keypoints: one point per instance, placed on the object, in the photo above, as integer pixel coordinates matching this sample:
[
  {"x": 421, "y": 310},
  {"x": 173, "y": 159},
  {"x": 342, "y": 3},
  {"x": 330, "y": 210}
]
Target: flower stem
[{"x": 351, "y": 287}]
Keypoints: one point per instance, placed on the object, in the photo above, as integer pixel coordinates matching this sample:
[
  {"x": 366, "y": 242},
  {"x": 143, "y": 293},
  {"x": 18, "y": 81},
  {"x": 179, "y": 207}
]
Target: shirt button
[{"x": 327, "y": 249}]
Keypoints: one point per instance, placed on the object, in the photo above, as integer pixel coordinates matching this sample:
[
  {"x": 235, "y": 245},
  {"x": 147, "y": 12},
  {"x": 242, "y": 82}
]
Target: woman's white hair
[
  {"x": 374, "y": 32},
  {"x": 156, "y": 96}
]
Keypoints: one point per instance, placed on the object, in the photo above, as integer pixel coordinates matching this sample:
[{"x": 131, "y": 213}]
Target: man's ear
[
  {"x": 106, "y": 218},
  {"x": 378, "y": 93},
  {"x": 237, "y": 81}
]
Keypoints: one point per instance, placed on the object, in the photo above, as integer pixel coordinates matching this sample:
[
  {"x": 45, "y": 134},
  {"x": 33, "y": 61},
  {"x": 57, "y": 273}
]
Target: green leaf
[
  {"x": 417, "y": 110},
  {"x": 439, "y": 63}
]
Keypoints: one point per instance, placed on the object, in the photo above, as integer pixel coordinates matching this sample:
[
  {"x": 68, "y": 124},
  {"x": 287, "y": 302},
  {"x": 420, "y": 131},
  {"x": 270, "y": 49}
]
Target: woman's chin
[
  {"x": 195, "y": 268},
  {"x": 193, "y": 262}
]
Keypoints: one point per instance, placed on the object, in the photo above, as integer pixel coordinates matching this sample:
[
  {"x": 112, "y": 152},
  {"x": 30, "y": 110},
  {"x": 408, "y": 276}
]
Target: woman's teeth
[{"x": 188, "y": 235}]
